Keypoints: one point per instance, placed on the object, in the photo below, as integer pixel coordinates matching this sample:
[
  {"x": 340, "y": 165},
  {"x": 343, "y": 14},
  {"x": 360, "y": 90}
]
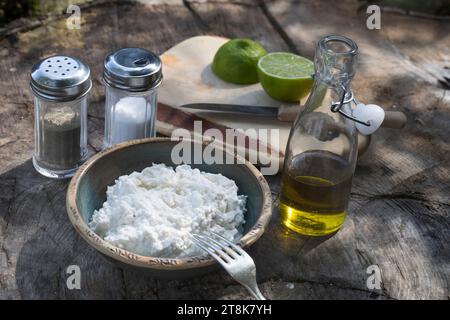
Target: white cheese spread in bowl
[{"x": 154, "y": 212}]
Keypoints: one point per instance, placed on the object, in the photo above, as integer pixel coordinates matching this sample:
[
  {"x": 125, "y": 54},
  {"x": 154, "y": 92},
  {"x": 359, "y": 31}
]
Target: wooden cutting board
[{"x": 188, "y": 78}]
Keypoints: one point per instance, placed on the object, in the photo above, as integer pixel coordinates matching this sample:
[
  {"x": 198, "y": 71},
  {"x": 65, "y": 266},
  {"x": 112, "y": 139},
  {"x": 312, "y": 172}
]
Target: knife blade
[{"x": 234, "y": 108}]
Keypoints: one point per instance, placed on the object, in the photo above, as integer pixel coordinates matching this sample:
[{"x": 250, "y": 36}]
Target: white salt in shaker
[{"x": 131, "y": 76}]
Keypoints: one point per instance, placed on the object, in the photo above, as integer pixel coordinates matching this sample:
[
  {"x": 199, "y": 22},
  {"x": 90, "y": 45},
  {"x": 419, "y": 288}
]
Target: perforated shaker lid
[
  {"x": 133, "y": 69},
  {"x": 60, "y": 78}
]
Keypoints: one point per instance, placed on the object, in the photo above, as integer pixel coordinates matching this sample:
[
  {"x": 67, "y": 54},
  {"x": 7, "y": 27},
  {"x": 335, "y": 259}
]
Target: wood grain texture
[{"x": 399, "y": 212}]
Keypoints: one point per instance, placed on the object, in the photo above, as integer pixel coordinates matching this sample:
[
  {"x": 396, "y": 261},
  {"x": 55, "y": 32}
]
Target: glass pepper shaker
[
  {"x": 60, "y": 85},
  {"x": 322, "y": 148},
  {"x": 131, "y": 77}
]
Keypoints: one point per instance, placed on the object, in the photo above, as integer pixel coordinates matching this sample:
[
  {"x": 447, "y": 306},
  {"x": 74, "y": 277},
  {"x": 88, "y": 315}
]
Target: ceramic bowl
[{"x": 87, "y": 192}]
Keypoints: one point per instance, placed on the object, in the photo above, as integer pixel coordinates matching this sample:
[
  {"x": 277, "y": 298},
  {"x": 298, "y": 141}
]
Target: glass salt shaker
[
  {"x": 60, "y": 85},
  {"x": 131, "y": 77}
]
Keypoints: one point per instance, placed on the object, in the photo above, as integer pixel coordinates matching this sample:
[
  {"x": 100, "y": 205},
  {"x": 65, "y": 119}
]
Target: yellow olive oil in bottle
[
  {"x": 313, "y": 199},
  {"x": 322, "y": 148}
]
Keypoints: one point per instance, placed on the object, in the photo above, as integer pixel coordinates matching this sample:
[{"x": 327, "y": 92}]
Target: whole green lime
[
  {"x": 236, "y": 61},
  {"x": 285, "y": 76}
]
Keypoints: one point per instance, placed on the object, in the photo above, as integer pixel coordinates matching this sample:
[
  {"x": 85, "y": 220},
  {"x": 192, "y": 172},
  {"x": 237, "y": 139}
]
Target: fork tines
[{"x": 220, "y": 248}]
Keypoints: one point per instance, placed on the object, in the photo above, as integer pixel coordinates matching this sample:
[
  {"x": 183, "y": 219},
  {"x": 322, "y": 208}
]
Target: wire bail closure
[{"x": 336, "y": 106}]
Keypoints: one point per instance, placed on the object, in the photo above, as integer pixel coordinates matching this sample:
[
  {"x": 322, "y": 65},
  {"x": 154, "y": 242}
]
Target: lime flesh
[{"x": 285, "y": 76}]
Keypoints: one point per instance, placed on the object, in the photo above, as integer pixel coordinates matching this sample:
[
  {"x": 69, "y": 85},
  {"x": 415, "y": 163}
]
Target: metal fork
[{"x": 235, "y": 261}]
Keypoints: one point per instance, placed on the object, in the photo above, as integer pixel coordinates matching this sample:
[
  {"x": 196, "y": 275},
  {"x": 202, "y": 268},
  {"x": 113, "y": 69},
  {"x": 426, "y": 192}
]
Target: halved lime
[
  {"x": 236, "y": 60},
  {"x": 285, "y": 76}
]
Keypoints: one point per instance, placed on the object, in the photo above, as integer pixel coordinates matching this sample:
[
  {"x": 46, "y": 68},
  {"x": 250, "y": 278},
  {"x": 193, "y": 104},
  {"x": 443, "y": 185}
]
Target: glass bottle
[
  {"x": 60, "y": 85},
  {"x": 131, "y": 77},
  {"x": 322, "y": 148}
]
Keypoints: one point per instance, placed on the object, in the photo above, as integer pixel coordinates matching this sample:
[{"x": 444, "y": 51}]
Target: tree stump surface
[{"x": 400, "y": 205}]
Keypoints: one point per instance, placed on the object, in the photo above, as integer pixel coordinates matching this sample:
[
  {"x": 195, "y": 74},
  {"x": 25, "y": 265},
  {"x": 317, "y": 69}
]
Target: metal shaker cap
[
  {"x": 133, "y": 69},
  {"x": 60, "y": 78}
]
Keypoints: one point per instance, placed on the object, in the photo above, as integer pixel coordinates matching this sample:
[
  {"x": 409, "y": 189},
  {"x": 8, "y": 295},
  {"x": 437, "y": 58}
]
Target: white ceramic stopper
[{"x": 370, "y": 113}]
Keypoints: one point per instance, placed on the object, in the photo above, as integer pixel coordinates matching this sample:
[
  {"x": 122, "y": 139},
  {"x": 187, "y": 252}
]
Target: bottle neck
[
  {"x": 335, "y": 90},
  {"x": 335, "y": 62},
  {"x": 334, "y": 65},
  {"x": 324, "y": 94}
]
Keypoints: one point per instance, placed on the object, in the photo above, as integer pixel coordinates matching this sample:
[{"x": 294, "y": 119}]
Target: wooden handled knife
[{"x": 392, "y": 119}]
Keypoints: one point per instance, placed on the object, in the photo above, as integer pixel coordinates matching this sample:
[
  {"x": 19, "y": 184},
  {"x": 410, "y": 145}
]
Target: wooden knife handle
[
  {"x": 288, "y": 114},
  {"x": 392, "y": 119}
]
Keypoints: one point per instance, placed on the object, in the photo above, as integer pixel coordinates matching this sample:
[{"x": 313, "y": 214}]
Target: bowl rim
[{"x": 137, "y": 260}]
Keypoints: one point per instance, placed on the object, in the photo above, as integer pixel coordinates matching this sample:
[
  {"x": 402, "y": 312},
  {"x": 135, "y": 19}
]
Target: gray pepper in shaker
[
  {"x": 131, "y": 77},
  {"x": 60, "y": 85}
]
